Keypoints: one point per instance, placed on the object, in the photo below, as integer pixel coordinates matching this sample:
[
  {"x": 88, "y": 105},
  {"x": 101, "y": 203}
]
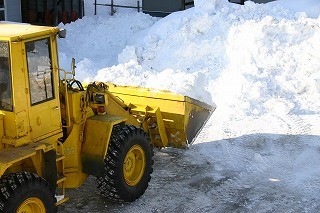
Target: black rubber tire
[
  {"x": 113, "y": 184},
  {"x": 15, "y": 188}
]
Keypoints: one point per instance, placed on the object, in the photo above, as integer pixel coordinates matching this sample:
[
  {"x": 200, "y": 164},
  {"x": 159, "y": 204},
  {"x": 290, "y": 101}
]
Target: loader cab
[{"x": 30, "y": 107}]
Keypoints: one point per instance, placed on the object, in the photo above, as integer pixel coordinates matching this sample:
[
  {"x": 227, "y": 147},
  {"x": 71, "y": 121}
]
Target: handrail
[
  {"x": 66, "y": 97},
  {"x": 112, "y": 5}
]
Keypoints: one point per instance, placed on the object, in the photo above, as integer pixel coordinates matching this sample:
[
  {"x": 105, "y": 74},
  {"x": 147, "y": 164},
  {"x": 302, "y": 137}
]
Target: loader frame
[{"x": 59, "y": 132}]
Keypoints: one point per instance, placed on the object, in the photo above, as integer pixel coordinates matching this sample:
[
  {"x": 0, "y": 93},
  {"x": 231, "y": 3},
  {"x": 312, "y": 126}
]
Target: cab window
[
  {"x": 5, "y": 77},
  {"x": 40, "y": 71}
]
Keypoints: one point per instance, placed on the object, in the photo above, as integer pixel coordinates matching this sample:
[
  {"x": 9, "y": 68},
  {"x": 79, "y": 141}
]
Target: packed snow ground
[{"x": 260, "y": 64}]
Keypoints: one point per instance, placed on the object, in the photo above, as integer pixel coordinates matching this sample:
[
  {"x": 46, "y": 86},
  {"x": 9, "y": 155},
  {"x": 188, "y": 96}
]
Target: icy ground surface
[{"x": 260, "y": 150}]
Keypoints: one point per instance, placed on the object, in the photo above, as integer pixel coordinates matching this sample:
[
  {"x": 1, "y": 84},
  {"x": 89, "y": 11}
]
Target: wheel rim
[
  {"x": 32, "y": 205},
  {"x": 134, "y": 165}
]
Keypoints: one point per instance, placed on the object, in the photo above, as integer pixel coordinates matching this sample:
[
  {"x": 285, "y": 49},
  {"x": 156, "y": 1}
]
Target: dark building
[
  {"x": 256, "y": 1},
  {"x": 41, "y": 12},
  {"x": 165, "y": 7}
]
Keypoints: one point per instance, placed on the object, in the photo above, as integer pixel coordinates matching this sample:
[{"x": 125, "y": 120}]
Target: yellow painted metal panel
[
  {"x": 76, "y": 104},
  {"x": 72, "y": 162},
  {"x": 19, "y": 85},
  {"x": 72, "y": 147},
  {"x": 45, "y": 117},
  {"x": 13, "y": 155},
  {"x": 16, "y": 123},
  {"x": 172, "y": 119},
  {"x": 22, "y": 124},
  {"x": 97, "y": 133},
  {"x": 113, "y": 108},
  {"x": 1, "y": 129},
  {"x": 145, "y": 92},
  {"x": 18, "y": 31},
  {"x": 161, "y": 128},
  {"x": 74, "y": 179}
]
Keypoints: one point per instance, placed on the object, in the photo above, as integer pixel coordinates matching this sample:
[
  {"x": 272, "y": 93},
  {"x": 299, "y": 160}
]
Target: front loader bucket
[{"x": 171, "y": 119}]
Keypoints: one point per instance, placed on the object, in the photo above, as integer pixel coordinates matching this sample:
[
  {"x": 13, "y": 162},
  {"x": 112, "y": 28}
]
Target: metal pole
[
  {"x": 55, "y": 13},
  {"x": 95, "y": 7},
  {"x": 138, "y": 3},
  {"x": 82, "y": 6},
  {"x": 111, "y": 7}
]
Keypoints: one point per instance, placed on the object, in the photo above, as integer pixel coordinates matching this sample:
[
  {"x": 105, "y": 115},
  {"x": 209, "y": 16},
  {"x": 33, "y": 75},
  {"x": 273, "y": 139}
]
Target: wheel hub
[
  {"x": 134, "y": 165},
  {"x": 32, "y": 205}
]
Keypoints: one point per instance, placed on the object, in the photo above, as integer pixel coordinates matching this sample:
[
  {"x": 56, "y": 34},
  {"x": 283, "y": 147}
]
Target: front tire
[
  {"x": 26, "y": 192},
  {"x": 128, "y": 164}
]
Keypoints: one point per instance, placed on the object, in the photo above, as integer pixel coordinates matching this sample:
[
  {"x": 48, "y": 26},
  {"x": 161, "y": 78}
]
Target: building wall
[
  {"x": 2, "y": 10},
  {"x": 13, "y": 10},
  {"x": 262, "y": 1},
  {"x": 256, "y": 1},
  {"x": 41, "y": 12}
]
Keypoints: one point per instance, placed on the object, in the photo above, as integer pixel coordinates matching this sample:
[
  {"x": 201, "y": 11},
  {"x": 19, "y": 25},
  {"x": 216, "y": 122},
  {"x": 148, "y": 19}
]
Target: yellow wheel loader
[{"x": 55, "y": 132}]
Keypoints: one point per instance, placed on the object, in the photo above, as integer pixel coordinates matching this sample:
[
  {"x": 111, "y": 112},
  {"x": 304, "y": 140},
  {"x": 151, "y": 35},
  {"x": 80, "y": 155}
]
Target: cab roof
[{"x": 18, "y": 31}]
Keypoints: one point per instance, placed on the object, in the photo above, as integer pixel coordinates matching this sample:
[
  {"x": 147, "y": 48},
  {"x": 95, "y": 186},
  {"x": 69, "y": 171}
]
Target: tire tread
[
  {"x": 12, "y": 184},
  {"x": 109, "y": 184}
]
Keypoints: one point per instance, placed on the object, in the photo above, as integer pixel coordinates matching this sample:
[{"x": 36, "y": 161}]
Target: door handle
[{"x": 56, "y": 108}]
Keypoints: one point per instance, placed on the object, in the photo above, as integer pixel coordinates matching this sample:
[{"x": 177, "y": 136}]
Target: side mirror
[{"x": 62, "y": 33}]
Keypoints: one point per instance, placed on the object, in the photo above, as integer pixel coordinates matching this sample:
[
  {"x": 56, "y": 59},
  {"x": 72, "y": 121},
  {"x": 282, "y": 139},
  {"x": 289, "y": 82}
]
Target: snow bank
[
  {"x": 259, "y": 63},
  {"x": 251, "y": 60},
  {"x": 264, "y": 58},
  {"x": 95, "y": 41},
  {"x": 310, "y": 7}
]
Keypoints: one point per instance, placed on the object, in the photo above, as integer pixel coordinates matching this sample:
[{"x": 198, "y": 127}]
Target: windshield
[{"x": 5, "y": 77}]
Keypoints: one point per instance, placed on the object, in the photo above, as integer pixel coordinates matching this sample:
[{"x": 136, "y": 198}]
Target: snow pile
[
  {"x": 274, "y": 66},
  {"x": 264, "y": 58},
  {"x": 252, "y": 60},
  {"x": 311, "y": 7},
  {"x": 95, "y": 41},
  {"x": 256, "y": 60},
  {"x": 259, "y": 63}
]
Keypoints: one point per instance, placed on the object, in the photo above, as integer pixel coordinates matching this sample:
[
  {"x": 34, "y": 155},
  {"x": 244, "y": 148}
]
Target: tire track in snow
[
  {"x": 261, "y": 154},
  {"x": 296, "y": 125}
]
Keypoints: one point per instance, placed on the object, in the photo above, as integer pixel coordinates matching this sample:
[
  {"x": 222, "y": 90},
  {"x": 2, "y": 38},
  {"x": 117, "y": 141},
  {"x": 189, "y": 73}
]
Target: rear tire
[
  {"x": 128, "y": 164},
  {"x": 26, "y": 192}
]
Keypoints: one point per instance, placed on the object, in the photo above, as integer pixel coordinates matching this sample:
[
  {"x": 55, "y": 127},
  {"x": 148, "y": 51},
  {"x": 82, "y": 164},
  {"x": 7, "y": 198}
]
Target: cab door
[{"x": 44, "y": 110}]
